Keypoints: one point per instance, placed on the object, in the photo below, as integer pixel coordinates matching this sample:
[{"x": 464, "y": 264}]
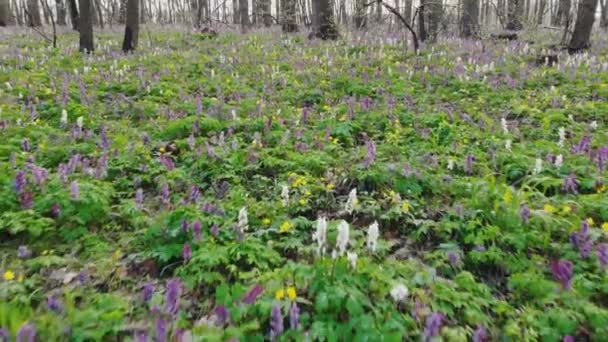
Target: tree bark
[
  {"x": 61, "y": 12},
  {"x": 604, "y": 14},
  {"x": 407, "y": 11},
  {"x": 514, "y": 15},
  {"x": 378, "y": 12},
  {"x": 265, "y": 12},
  {"x": 327, "y": 26},
  {"x": 85, "y": 25},
  {"x": 470, "y": 19},
  {"x": 360, "y": 14},
  {"x": 74, "y": 17},
  {"x": 542, "y": 6},
  {"x": 33, "y": 14},
  {"x": 235, "y": 12},
  {"x": 435, "y": 14},
  {"x": 244, "y": 10},
  {"x": 288, "y": 12},
  {"x": 582, "y": 29},
  {"x": 5, "y": 13},
  {"x": 122, "y": 11},
  {"x": 99, "y": 13},
  {"x": 132, "y": 26},
  {"x": 422, "y": 35},
  {"x": 563, "y": 13}
]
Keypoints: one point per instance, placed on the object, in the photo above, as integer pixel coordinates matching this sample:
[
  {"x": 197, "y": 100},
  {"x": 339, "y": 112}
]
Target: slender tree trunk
[
  {"x": 131, "y": 27},
  {"x": 500, "y": 9},
  {"x": 327, "y": 26},
  {"x": 244, "y": 10},
  {"x": 526, "y": 10},
  {"x": 61, "y": 12},
  {"x": 604, "y": 14},
  {"x": 514, "y": 15},
  {"x": 235, "y": 12},
  {"x": 360, "y": 14},
  {"x": 542, "y": 5},
  {"x": 435, "y": 14},
  {"x": 122, "y": 11},
  {"x": 74, "y": 17},
  {"x": 5, "y": 13},
  {"x": 469, "y": 19},
  {"x": 277, "y": 9},
  {"x": 422, "y": 35},
  {"x": 143, "y": 11},
  {"x": 99, "y": 13},
  {"x": 407, "y": 11},
  {"x": 86, "y": 26},
  {"x": 33, "y": 14},
  {"x": 288, "y": 13},
  {"x": 378, "y": 12},
  {"x": 265, "y": 12},
  {"x": 582, "y": 29},
  {"x": 563, "y": 12},
  {"x": 46, "y": 13}
]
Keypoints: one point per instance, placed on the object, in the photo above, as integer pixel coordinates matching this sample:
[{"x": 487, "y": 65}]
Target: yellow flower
[
  {"x": 161, "y": 150},
  {"x": 605, "y": 226},
  {"x": 9, "y": 275},
  {"x": 266, "y": 221},
  {"x": 549, "y": 208},
  {"x": 590, "y": 221},
  {"x": 602, "y": 189},
  {"x": 291, "y": 293},
  {"x": 285, "y": 227},
  {"x": 302, "y": 201},
  {"x": 116, "y": 255},
  {"x": 335, "y": 141},
  {"x": 508, "y": 197},
  {"x": 280, "y": 294},
  {"x": 405, "y": 206},
  {"x": 566, "y": 209},
  {"x": 330, "y": 186}
]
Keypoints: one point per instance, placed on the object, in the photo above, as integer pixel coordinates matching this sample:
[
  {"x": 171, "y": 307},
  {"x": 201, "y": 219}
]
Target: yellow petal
[
  {"x": 291, "y": 293},
  {"x": 280, "y": 294}
]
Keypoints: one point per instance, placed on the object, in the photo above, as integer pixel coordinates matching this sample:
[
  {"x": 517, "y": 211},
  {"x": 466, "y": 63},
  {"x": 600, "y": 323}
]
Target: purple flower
[
  {"x": 186, "y": 252},
  {"x": 23, "y": 252},
  {"x": 54, "y": 304},
  {"x": 479, "y": 248},
  {"x": 305, "y": 113},
  {"x": 174, "y": 290},
  {"x": 480, "y": 334},
  {"x": 215, "y": 230},
  {"x": 26, "y": 199},
  {"x": 26, "y": 333},
  {"x": 40, "y": 174},
  {"x": 294, "y": 316},
  {"x": 602, "y": 255},
  {"x": 147, "y": 292},
  {"x": 194, "y": 194},
  {"x": 20, "y": 182},
  {"x": 453, "y": 257},
  {"x": 433, "y": 325},
  {"x": 419, "y": 307},
  {"x": 55, "y": 210},
  {"x": 221, "y": 312},
  {"x": 25, "y": 145},
  {"x": 371, "y": 153},
  {"x": 524, "y": 213},
  {"x": 160, "y": 328},
  {"x": 581, "y": 240},
  {"x": 562, "y": 272},
  {"x": 196, "y": 231},
  {"x": 140, "y": 336},
  {"x": 4, "y": 335},
  {"x": 139, "y": 197},
  {"x": 602, "y": 158},
  {"x": 571, "y": 184},
  {"x": 583, "y": 146},
  {"x": 569, "y": 338},
  {"x": 104, "y": 142},
  {"x": 276, "y": 322},
  {"x": 167, "y": 162},
  {"x": 75, "y": 191},
  {"x": 164, "y": 193},
  {"x": 253, "y": 294},
  {"x": 468, "y": 164}
]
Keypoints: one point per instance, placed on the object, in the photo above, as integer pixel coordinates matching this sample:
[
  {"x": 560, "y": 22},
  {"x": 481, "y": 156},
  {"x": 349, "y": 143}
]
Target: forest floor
[{"x": 261, "y": 186}]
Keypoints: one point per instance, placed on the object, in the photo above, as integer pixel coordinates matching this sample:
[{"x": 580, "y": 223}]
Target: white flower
[
  {"x": 351, "y": 202},
  {"x": 64, "y": 117},
  {"x": 285, "y": 195},
  {"x": 508, "y": 144},
  {"x": 399, "y": 293},
  {"x": 562, "y": 136},
  {"x": 243, "y": 223},
  {"x": 593, "y": 125},
  {"x": 372, "y": 236},
  {"x": 343, "y": 236},
  {"x": 450, "y": 164},
  {"x": 79, "y": 121},
  {"x": 8, "y": 86},
  {"x": 320, "y": 236},
  {"x": 538, "y": 167},
  {"x": 559, "y": 161},
  {"x": 352, "y": 258},
  {"x": 505, "y": 127},
  {"x": 212, "y": 73}
]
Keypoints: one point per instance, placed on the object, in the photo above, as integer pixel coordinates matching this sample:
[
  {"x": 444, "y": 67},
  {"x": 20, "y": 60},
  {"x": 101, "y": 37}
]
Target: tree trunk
[
  {"x": 582, "y": 29},
  {"x": 244, "y": 10},
  {"x": 422, "y": 35},
  {"x": 327, "y": 26},
  {"x": 435, "y": 13},
  {"x": 378, "y": 12},
  {"x": 85, "y": 25},
  {"x": 235, "y": 12},
  {"x": 33, "y": 14},
  {"x": 407, "y": 11},
  {"x": 142, "y": 12},
  {"x": 514, "y": 15},
  {"x": 131, "y": 27},
  {"x": 73, "y": 14},
  {"x": 542, "y": 5},
  {"x": 604, "y": 14},
  {"x": 99, "y": 13},
  {"x": 265, "y": 12},
  {"x": 5, "y": 13},
  {"x": 563, "y": 13},
  {"x": 360, "y": 14},
  {"x": 46, "y": 13},
  {"x": 122, "y": 11},
  {"x": 288, "y": 13},
  {"x": 61, "y": 12},
  {"x": 469, "y": 19}
]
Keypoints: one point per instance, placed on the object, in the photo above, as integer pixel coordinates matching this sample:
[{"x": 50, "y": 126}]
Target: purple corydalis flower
[
  {"x": 569, "y": 338},
  {"x": 584, "y": 146},
  {"x": 524, "y": 213},
  {"x": 215, "y": 230},
  {"x": 167, "y": 162},
  {"x": 221, "y": 312},
  {"x": 185, "y": 226},
  {"x": 75, "y": 190},
  {"x": 164, "y": 193},
  {"x": 305, "y": 113},
  {"x": 187, "y": 252},
  {"x": 371, "y": 152},
  {"x": 253, "y": 294},
  {"x": 480, "y": 334},
  {"x": 276, "y": 322},
  {"x": 139, "y": 197},
  {"x": 40, "y": 174},
  {"x": 140, "y": 336},
  {"x": 160, "y": 328},
  {"x": 55, "y": 210},
  {"x": 199, "y": 105},
  {"x": 581, "y": 240},
  {"x": 25, "y": 145},
  {"x": 4, "y": 335},
  {"x": 562, "y": 272},
  {"x": 453, "y": 257},
  {"x": 26, "y": 199},
  {"x": 210, "y": 151},
  {"x": 294, "y": 316},
  {"x": 602, "y": 158},
  {"x": 468, "y": 165},
  {"x": 194, "y": 194},
  {"x": 147, "y": 292},
  {"x": 196, "y": 231},
  {"x": 26, "y": 333},
  {"x": 54, "y": 304},
  {"x": 602, "y": 255},
  {"x": 433, "y": 325},
  {"x": 571, "y": 184},
  {"x": 174, "y": 290},
  {"x": 20, "y": 181},
  {"x": 104, "y": 142},
  {"x": 23, "y": 252}
]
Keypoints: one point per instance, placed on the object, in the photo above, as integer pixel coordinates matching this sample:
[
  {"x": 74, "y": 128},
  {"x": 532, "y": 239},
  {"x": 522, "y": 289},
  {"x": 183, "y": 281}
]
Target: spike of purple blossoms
[
  {"x": 433, "y": 325},
  {"x": 562, "y": 272},
  {"x": 167, "y": 162},
  {"x": 40, "y": 175},
  {"x": 453, "y": 257},
  {"x": 102, "y": 167},
  {"x": 602, "y": 255},
  {"x": 55, "y": 210},
  {"x": 253, "y": 294},
  {"x": 524, "y": 213},
  {"x": 4, "y": 335},
  {"x": 371, "y": 153},
  {"x": 199, "y": 105},
  {"x": 276, "y": 322},
  {"x": 160, "y": 327},
  {"x": 25, "y": 145},
  {"x": 468, "y": 165},
  {"x": 581, "y": 240},
  {"x": 20, "y": 181},
  {"x": 139, "y": 197},
  {"x": 74, "y": 191},
  {"x": 215, "y": 230},
  {"x": 174, "y": 290},
  {"x": 26, "y": 333},
  {"x": 185, "y": 226},
  {"x": 194, "y": 194},
  {"x": 569, "y": 338},
  {"x": 147, "y": 292},
  {"x": 221, "y": 312},
  {"x": 210, "y": 151},
  {"x": 54, "y": 304},
  {"x": 140, "y": 336},
  {"x": 191, "y": 142},
  {"x": 164, "y": 193},
  {"x": 187, "y": 252},
  {"x": 480, "y": 334},
  {"x": 26, "y": 199},
  {"x": 305, "y": 114},
  {"x": 23, "y": 252},
  {"x": 197, "y": 227},
  {"x": 294, "y": 316},
  {"x": 583, "y": 146},
  {"x": 104, "y": 142},
  {"x": 571, "y": 184},
  {"x": 602, "y": 158},
  {"x": 196, "y": 231}
]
